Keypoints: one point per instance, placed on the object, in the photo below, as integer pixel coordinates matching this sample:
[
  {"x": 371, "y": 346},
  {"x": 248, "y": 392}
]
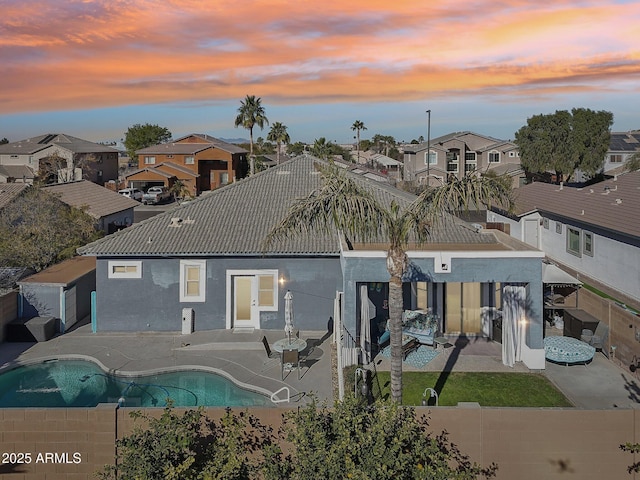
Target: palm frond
[
  {"x": 462, "y": 195},
  {"x": 338, "y": 204}
]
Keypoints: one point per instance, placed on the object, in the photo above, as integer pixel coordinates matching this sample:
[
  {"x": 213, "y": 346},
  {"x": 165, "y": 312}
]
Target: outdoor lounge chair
[
  {"x": 290, "y": 361},
  {"x": 598, "y": 338}
]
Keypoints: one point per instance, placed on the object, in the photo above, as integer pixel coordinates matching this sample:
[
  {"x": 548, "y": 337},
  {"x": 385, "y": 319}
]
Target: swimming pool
[{"x": 81, "y": 383}]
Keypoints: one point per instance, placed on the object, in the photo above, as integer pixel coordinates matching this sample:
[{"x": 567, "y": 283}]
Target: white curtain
[
  {"x": 513, "y": 303},
  {"x": 366, "y": 311}
]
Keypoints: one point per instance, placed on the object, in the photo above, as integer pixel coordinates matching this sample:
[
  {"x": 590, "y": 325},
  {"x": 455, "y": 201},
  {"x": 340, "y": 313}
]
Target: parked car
[
  {"x": 134, "y": 193},
  {"x": 156, "y": 195}
]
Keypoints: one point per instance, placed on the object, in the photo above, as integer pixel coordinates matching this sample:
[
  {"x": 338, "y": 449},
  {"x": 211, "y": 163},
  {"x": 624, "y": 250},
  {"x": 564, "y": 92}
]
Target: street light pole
[{"x": 428, "y": 146}]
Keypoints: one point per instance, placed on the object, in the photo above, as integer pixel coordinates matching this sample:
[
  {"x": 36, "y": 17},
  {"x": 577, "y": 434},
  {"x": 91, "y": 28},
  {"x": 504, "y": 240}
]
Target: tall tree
[
  {"x": 38, "y": 230},
  {"x": 565, "y": 142},
  {"x": 278, "y": 134},
  {"x": 591, "y": 137},
  {"x": 343, "y": 202},
  {"x": 357, "y": 126},
  {"x": 251, "y": 113},
  {"x": 142, "y": 136}
]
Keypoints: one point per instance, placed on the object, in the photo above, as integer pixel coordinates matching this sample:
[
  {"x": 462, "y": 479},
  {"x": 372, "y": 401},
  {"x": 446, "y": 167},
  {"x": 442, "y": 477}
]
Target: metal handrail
[{"x": 275, "y": 399}]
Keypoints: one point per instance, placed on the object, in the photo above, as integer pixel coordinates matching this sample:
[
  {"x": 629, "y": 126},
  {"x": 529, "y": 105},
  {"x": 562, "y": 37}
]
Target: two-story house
[
  {"x": 201, "y": 162},
  {"x": 61, "y": 158},
  {"x": 622, "y": 146},
  {"x": 432, "y": 162}
]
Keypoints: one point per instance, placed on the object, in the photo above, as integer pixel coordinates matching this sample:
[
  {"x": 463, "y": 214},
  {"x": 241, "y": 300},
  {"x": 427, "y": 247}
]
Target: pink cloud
[{"x": 82, "y": 54}]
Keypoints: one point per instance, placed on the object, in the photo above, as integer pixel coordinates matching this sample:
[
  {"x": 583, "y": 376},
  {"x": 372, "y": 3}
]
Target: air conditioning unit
[{"x": 188, "y": 320}]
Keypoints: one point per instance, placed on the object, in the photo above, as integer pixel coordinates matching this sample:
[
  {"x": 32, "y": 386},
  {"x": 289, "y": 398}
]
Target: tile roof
[
  {"x": 8, "y": 191},
  {"x": 235, "y": 219},
  {"x": 100, "y": 201},
  {"x": 183, "y": 148},
  {"x": 35, "y": 144},
  {"x": 17, "y": 171},
  {"x": 611, "y": 204}
]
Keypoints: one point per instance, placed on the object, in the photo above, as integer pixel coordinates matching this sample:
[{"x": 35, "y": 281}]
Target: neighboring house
[
  {"x": 593, "y": 231},
  {"x": 16, "y": 174},
  {"x": 622, "y": 146},
  {"x": 362, "y": 170},
  {"x": 164, "y": 174},
  {"x": 111, "y": 210},
  {"x": 9, "y": 191},
  {"x": 203, "y": 266},
  {"x": 457, "y": 154},
  {"x": 80, "y": 159},
  {"x": 62, "y": 291},
  {"x": 211, "y": 163}
]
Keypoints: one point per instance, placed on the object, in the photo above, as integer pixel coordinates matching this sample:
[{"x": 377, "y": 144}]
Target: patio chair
[
  {"x": 290, "y": 361},
  {"x": 270, "y": 353},
  {"x": 598, "y": 338}
]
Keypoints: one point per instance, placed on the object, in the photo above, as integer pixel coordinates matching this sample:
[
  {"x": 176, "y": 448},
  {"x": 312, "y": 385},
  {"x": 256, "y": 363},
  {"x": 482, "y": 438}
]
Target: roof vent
[
  {"x": 582, "y": 212},
  {"x": 618, "y": 201},
  {"x": 175, "y": 222},
  {"x": 591, "y": 190}
]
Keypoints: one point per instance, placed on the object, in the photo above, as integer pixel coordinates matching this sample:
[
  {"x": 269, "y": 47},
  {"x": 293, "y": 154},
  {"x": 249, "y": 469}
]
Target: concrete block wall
[
  {"x": 527, "y": 444},
  {"x": 623, "y": 326}
]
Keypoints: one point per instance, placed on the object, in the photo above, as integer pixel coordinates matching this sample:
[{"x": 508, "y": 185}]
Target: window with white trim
[
  {"x": 266, "y": 290},
  {"x": 573, "y": 241},
  {"x": 189, "y": 160},
  {"x": 559, "y": 227},
  {"x": 125, "y": 269},
  {"x": 494, "y": 156},
  {"x": 192, "y": 280},
  {"x": 149, "y": 160},
  {"x": 587, "y": 243},
  {"x": 431, "y": 158},
  {"x": 615, "y": 158}
]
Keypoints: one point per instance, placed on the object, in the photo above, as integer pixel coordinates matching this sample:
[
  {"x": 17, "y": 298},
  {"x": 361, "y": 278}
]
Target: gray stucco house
[{"x": 206, "y": 258}]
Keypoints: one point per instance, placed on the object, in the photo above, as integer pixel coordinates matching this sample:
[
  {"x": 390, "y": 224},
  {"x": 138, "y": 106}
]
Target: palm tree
[
  {"x": 357, "y": 126},
  {"x": 179, "y": 190},
  {"x": 278, "y": 134},
  {"x": 344, "y": 203},
  {"x": 321, "y": 148},
  {"x": 251, "y": 113}
]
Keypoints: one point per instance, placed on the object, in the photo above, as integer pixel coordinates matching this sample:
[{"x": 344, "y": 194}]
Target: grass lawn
[{"x": 487, "y": 389}]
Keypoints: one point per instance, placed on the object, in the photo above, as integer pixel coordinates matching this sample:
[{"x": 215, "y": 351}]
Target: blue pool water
[{"x": 77, "y": 383}]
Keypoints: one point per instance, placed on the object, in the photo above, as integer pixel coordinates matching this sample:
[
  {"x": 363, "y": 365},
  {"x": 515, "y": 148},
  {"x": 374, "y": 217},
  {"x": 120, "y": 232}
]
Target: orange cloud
[{"x": 89, "y": 54}]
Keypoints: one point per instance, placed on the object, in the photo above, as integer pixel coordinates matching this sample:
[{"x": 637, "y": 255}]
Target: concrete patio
[{"x": 599, "y": 385}]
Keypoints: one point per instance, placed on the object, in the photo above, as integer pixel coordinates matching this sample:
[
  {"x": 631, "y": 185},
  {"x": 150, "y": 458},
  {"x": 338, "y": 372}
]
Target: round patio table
[
  {"x": 284, "y": 344},
  {"x": 567, "y": 350}
]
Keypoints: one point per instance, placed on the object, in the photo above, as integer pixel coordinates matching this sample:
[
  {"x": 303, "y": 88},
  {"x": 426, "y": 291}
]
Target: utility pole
[{"x": 428, "y": 146}]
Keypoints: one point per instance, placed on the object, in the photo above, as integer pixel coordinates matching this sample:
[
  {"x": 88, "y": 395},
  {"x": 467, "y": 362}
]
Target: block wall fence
[{"x": 527, "y": 444}]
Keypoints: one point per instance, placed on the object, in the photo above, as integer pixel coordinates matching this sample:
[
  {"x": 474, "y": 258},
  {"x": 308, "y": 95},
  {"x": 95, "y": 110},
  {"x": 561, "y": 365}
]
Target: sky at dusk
[{"x": 92, "y": 69}]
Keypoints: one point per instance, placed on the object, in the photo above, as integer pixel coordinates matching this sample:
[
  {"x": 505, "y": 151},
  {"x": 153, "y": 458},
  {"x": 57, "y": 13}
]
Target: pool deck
[
  {"x": 601, "y": 384},
  {"x": 238, "y": 355}
]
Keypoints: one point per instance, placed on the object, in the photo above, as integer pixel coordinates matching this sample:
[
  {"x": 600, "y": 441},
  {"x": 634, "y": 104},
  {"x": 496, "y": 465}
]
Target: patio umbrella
[
  {"x": 288, "y": 314},
  {"x": 367, "y": 312},
  {"x": 513, "y": 297}
]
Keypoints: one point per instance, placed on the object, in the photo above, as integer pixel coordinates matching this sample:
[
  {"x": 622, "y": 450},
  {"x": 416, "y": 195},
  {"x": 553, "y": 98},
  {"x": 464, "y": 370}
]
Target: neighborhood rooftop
[
  {"x": 235, "y": 219},
  {"x": 610, "y": 205}
]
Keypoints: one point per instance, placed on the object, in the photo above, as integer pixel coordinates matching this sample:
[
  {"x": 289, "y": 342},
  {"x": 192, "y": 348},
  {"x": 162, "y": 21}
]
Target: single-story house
[
  {"x": 111, "y": 210},
  {"x": 205, "y": 263},
  {"x": 16, "y": 174},
  {"x": 592, "y": 231}
]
